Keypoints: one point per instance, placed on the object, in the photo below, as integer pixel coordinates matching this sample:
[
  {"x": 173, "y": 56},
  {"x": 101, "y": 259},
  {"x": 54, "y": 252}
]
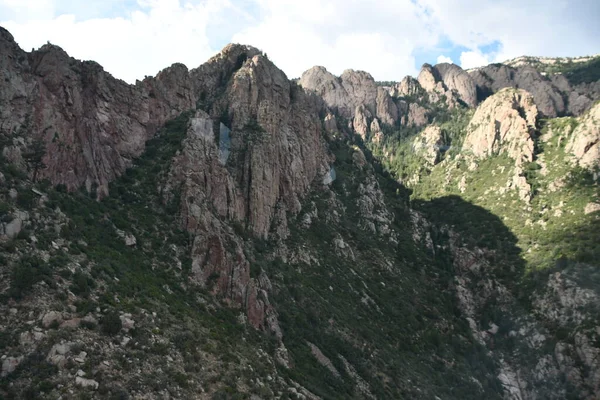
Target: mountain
[{"x": 224, "y": 232}]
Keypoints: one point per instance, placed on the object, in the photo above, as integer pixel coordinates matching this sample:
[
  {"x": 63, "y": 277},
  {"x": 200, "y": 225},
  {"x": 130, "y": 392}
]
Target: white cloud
[
  {"x": 143, "y": 42},
  {"x": 133, "y": 38},
  {"x": 444, "y": 59},
  {"x": 379, "y": 37},
  {"x": 473, "y": 59},
  {"x": 299, "y": 49},
  {"x": 533, "y": 27}
]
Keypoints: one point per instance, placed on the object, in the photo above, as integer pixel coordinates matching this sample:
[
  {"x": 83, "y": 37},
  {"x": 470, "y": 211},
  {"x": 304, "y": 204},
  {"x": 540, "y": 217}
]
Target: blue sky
[{"x": 388, "y": 38}]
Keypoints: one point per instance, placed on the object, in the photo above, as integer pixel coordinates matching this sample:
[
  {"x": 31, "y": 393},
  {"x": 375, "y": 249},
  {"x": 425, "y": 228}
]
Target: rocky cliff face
[
  {"x": 495, "y": 77},
  {"x": 250, "y": 162},
  {"x": 505, "y": 122},
  {"x": 253, "y": 246},
  {"x": 554, "y": 95},
  {"x": 254, "y": 172},
  {"x": 344, "y": 94},
  {"x": 585, "y": 139},
  {"x": 91, "y": 124},
  {"x": 349, "y": 92},
  {"x": 448, "y": 80}
]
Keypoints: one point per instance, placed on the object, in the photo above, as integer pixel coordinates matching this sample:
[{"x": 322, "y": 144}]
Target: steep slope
[
  {"x": 534, "y": 306},
  {"x": 226, "y": 233},
  {"x": 571, "y": 93},
  {"x": 448, "y": 80},
  {"x": 241, "y": 250},
  {"x": 91, "y": 124}
]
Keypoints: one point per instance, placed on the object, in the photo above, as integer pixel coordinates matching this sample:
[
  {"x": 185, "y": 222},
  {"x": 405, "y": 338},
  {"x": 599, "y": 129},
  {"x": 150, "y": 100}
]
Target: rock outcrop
[
  {"x": 547, "y": 97},
  {"x": 90, "y": 123},
  {"x": 343, "y": 94},
  {"x": 353, "y": 89},
  {"x": 275, "y": 152},
  {"x": 416, "y": 115},
  {"x": 448, "y": 80},
  {"x": 387, "y": 110},
  {"x": 409, "y": 86},
  {"x": 428, "y": 144},
  {"x": 276, "y": 149},
  {"x": 585, "y": 139},
  {"x": 458, "y": 80},
  {"x": 505, "y": 122},
  {"x": 578, "y": 96},
  {"x": 360, "y": 123},
  {"x": 361, "y": 88}
]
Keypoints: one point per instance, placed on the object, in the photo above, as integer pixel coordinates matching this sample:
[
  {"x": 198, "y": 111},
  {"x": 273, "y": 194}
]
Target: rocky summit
[{"x": 228, "y": 233}]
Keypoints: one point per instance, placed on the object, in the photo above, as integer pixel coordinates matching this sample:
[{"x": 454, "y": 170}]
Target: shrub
[
  {"x": 111, "y": 323},
  {"x": 82, "y": 284},
  {"x": 26, "y": 199},
  {"x": 26, "y": 273}
]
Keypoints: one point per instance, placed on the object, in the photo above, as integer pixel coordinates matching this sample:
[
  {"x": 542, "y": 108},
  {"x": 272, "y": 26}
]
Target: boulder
[
  {"x": 127, "y": 322},
  {"x": 10, "y": 364},
  {"x": 591, "y": 208},
  {"x": 51, "y": 318},
  {"x": 15, "y": 226},
  {"x": 86, "y": 383},
  {"x": 130, "y": 240},
  {"x": 58, "y": 354}
]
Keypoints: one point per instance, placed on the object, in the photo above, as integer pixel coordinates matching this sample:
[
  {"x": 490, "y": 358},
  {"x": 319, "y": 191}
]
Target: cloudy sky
[{"x": 388, "y": 38}]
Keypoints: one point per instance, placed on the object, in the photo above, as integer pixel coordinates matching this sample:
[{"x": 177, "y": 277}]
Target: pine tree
[{"x": 34, "y": 156}]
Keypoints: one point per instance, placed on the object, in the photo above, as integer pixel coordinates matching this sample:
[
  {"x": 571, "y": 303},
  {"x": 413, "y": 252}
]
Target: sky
[{"x": 387, "y": 38}]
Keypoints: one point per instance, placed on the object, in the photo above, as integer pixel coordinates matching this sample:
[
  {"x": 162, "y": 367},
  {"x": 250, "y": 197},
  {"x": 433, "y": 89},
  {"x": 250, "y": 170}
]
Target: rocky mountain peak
[
  {"x": 409, "y": 86},
  {"x": 428, "y": 77},
  {"x": 457, "y": 79},
  {"x": 351, "y": 89},
  {"x": 336, "y": 238},
  {"x": 554, "y": 96},
  {"x": 448, "y": 80},
  {"x": 504, "y": 122}
]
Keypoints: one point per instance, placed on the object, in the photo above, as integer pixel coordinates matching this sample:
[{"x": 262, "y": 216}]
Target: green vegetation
[
  {"x": 584, "y": 72},
  {"x": 111, "y": 323},
  {"x": 34, "y": 157},
  {"x": 385, "y": 83},
  {"x": 115, "y": 278},
  {"x": 559, "y": 193},
  {"x": 397, "y": 151},
  {"x": 575, "y": 72},
  {"x": 527, "y": 231},
  {"x": 27, "y": 272},
  {"x": 390, "y": 300}
]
